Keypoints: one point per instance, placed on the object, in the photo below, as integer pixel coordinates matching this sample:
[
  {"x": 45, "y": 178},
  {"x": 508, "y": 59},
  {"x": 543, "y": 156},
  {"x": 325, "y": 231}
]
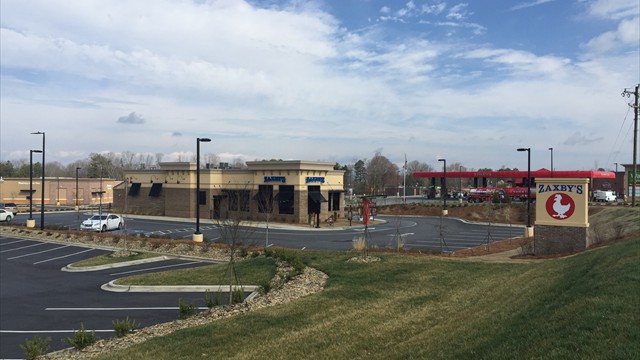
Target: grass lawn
[
  {"x": 255, "y": 271},
  {"x": 407, "y": 307},
  {"x": 110, "y": 259}
]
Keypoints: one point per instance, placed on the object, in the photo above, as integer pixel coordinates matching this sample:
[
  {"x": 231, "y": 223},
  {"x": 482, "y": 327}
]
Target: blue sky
[{"x": 322, "y": 80}]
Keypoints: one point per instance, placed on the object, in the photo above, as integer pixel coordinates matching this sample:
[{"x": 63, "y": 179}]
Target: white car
[
  {"x": 5, "y": 215},
  {"x": 104, "y": 222}
]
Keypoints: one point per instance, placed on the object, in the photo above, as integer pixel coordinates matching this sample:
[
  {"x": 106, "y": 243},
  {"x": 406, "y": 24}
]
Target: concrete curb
[
  {"x": 71, "y": 268},
  {"x": 113, "y": 287}
]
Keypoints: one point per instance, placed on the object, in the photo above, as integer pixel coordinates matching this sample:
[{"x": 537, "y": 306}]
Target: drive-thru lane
[
  {"x": 38, "y": 299},
  {"x": 417, "y": 232}
]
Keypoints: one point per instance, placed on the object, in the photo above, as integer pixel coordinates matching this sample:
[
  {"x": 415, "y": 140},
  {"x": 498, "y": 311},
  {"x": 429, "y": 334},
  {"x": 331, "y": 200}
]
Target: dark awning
[
  {"x": 134, "y": 189},
  {"x": 317, "y": 197},
  {"x": 155, "y": 189}
]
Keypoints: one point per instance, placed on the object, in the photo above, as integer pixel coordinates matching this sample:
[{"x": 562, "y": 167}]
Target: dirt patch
[{"x": 495, "y": 213}]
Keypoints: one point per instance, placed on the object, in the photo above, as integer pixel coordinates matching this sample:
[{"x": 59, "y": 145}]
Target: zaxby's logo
[{"x": 560, "y": 206}]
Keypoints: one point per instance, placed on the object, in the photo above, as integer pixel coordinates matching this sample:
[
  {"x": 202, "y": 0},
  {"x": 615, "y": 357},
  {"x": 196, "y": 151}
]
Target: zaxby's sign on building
[{"x": 562, "y": 221}]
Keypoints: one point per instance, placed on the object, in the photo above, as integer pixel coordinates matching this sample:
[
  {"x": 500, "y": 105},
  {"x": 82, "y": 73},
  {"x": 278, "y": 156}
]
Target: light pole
[
  {"x": 197, "y": 236},
  {"x": 77, "y": 194},
  {"x": 616, "y": 182},
  {"x": 30, "y": 222},
  {"x": 100, "y": 196},
  {"x": 551, "y": 149},
  {"x": 528, "y": 150},
  {"x": 444, "y": 187},
  {"x": 41, "y": 195}
]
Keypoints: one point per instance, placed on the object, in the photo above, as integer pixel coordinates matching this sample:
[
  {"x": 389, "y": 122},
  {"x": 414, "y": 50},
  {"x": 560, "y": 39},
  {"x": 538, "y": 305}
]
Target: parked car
[
  {"x": 5, "y": 215},
  {"x": 103, "y": 222},
  {"x": 11, "y": 207},
  {"x": 604, "y": 196}
]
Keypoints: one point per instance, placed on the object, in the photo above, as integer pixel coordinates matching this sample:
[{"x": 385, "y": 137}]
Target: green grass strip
[
  {"x": 253, "y": 271},
  {"x": 110, "y": 259}
]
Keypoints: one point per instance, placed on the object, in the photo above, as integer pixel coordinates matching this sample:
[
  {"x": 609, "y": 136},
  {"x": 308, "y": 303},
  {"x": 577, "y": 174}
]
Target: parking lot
[{"x": 37, "y": 298}]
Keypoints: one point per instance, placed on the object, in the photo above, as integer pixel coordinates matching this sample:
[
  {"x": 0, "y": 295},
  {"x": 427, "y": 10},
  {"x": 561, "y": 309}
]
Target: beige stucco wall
[{"x": 58, "y": 190}]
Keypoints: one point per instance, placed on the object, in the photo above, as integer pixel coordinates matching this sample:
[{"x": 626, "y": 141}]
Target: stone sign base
[{"x": 559, "y": 239}]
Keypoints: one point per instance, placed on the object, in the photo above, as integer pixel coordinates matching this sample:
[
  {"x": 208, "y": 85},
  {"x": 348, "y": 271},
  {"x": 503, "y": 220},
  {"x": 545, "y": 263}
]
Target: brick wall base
[{"x": 559, "y": 239}]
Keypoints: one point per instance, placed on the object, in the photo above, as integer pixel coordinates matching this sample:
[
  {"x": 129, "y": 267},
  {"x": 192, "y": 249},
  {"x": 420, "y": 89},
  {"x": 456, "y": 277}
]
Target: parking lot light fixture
[
  {"x": 77, "y": 193},
  {"x": 197, "y": 236},
  {"x": 528, "y": 150},
  {"x": 444, "y": 183},
  {"x": 42, "y": 194},
  {"x": 551, "y": 149},
  {"x": 30, "y": 222}
]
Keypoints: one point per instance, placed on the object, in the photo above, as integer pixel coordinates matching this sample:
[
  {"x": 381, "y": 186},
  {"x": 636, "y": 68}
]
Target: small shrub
[
  {"x": 290, "y": 257},
  {"x": 124, "y": 327},
  {"x": 265, "y": 286},
  {"x": 186, "y": 309},
  {"x": 237, "y": 295},
  {"x": 244, "y": 252},
  {"x": 526, "y": 246},
  {"x": 210, "y": 300},
  {"x": 359, "y": 243},
  {"x": 255, "y": 254},
  {"x": 82, "y": 338},
  {"x": 35, "y": 347}
]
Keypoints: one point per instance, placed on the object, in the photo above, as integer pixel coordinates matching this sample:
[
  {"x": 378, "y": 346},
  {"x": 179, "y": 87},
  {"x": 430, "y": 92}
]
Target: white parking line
[
  {"x": 47, "y": 331},
  {"x": 13, "y": 242},
  {"x": 24, "y": 247},
  {"x": 154, "y": 268},
  {"x": 64, "y": 256},
  {"x": 39, "y": 252},
  {"x": 119, "y": 309}
]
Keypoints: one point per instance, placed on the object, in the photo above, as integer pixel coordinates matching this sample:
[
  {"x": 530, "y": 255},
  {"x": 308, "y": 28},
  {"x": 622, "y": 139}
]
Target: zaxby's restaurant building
[{"x": 285, "y": 191}]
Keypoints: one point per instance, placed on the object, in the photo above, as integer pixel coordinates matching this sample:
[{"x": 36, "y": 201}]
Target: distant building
[
  {"x": 286, "y": 191},
  {"x": 58, "y": 191}
]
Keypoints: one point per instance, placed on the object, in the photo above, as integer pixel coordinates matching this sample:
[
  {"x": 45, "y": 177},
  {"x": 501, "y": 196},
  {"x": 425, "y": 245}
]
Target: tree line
[{"x": 374, "y": 176}]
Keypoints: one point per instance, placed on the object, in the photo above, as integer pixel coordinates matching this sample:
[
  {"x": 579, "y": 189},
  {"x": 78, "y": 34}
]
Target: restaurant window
[{"x": 286, "y": 199}]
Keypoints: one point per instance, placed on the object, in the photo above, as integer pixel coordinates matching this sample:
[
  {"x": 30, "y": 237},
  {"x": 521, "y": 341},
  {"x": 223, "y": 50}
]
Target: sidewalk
[{"x": 340, "y": 224}]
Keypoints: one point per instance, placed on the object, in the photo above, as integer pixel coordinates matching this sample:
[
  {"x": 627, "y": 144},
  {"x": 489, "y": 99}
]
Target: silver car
[{"x": 102, "y": 223}]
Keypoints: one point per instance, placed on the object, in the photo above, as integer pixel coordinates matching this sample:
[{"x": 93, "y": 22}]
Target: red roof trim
[{"x": 542, "y": 173}]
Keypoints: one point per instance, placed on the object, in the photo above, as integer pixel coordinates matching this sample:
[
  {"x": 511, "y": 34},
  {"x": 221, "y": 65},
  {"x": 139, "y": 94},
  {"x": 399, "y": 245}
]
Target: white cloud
[
  {"x": 626, "y": 34},
  {"x": 459, "y": 12},
  {"x": 520, "y": 60},
  {"x": 525, "y": 5},
  {"x": 614, "y": 9}
]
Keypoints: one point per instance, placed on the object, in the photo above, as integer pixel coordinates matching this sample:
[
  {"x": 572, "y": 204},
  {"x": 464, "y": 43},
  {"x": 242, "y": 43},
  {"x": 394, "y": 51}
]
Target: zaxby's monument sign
[{"x": 562, "y": 222}]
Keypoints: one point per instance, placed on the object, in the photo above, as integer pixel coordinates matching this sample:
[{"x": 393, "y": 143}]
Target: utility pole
[{"x": 635, "y": 106}]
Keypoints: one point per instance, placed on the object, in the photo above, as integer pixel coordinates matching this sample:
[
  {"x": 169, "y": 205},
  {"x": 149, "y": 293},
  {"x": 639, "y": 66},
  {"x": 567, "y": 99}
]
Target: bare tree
[
  {"x": 378, "y": 172},
  {"x": 233, "y": 234},
  {"x": 211, "y": 158},
  {"x": 159, "y": 157},
  {"x": 238, "y": 164},
  {"x": 266, "y": 205}
]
